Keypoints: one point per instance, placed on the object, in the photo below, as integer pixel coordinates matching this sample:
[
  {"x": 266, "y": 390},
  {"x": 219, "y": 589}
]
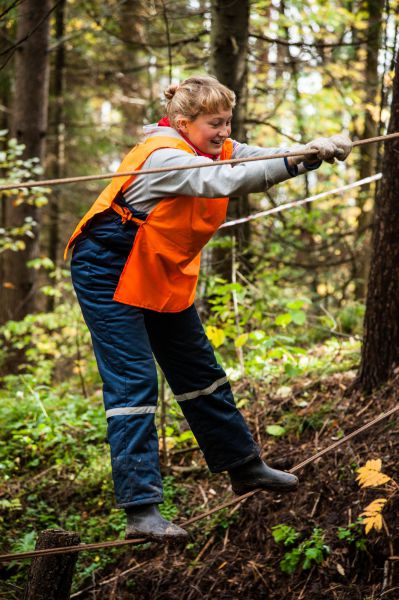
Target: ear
[{"x": 182, "y": 123}]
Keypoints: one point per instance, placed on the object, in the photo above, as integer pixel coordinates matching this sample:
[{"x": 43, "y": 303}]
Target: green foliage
[
  {"x": 275, "y": 430},
  {"x": 353, "y": 534},
  {"x": 304, "y": 554},
  {"x": 284, "y": 534},
  {"x": 16, "y": 168},
  {"x": 168, "y": 509},
  {"x": 276, "y": 344}
]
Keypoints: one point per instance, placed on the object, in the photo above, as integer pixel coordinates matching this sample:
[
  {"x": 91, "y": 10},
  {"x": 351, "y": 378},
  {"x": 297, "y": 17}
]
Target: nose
[{"x": 225, "y": 130}]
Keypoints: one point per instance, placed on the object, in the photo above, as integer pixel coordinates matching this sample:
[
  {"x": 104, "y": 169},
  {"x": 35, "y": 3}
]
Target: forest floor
[{"x": 232, "y": 555}]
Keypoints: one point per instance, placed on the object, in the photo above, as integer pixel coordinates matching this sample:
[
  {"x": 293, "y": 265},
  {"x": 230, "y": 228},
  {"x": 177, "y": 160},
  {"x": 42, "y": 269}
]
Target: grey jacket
[{"x": 213, "y": 182}]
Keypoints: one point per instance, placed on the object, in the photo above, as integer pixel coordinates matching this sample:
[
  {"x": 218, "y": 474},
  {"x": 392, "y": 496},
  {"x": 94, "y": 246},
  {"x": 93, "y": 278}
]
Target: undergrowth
[{"x": 54, "y": 457}]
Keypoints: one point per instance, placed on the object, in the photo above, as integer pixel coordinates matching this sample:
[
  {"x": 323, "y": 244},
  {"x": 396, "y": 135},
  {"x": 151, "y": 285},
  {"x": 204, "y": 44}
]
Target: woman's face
[{"x": 208, "y": 131}]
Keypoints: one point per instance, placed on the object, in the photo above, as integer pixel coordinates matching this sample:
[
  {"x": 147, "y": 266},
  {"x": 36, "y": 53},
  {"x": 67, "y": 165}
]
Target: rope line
[
  {"x": 114, "y": 543},
  {"x": 287, "y": 205},
  {"x": 233, "y": 161}
]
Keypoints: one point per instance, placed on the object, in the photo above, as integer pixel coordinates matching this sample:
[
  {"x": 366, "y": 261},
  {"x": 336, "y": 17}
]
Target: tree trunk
[
  {"x": 58, "y": 166},
  {"x": 368, "y": 155},
  {"x": 229, "y": 51},
  {"x": 380, "y": 352},
  {"x": 50, "y": 577},
  {"x": 29, "y": 125},
  {"x": 133, "y": 105}
]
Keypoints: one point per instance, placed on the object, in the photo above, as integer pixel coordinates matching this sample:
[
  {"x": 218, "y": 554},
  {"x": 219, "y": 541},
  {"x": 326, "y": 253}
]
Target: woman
[{"x": 135, "y": 267}]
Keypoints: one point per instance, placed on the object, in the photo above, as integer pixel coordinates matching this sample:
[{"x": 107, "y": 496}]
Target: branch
[
  {"x": 9, "y": 8},
  {"x": 281, "y": 42},
  {"x": 277, "y": 129},
  {"x": 136, "y": 44},
  {"x": 28, "y": 35}
]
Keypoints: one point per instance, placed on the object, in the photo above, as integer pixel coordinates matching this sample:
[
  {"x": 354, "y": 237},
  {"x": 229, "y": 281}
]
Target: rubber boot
[
  {"x": 257, "y": 475},
  {"x": 146, "y": 520}
]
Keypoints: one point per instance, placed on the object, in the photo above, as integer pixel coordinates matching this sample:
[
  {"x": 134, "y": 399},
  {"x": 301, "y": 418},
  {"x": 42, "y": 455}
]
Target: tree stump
[{"x": 50, "y": 577}]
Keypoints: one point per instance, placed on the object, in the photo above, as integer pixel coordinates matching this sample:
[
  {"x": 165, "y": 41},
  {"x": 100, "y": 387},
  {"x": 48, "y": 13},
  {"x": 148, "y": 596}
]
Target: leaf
[
  {"x": 284, "y": 533},
  {"x": 370, "y": 475},
  {"x": 275, "y": 430},
  {"x": 283, "y": 320},
  {"x": 299, "y": 317},
  {"x": 372, "y": 515},
  {"x": 284, "y": 391},
  {"x": 296, "y": 305},
  {"x": 215, "y": 335},
  {"x": 241, "y": 340}
]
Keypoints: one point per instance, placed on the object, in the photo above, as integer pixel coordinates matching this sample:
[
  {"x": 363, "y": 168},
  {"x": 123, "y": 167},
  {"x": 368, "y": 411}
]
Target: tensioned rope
[
  {"x": 217, "y": 163},
  {"x": 113, "y": 543},
  {"x": 295, "y": 203}
]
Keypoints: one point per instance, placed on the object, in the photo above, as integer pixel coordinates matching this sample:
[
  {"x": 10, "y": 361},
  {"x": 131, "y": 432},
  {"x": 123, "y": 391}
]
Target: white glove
[
  {"x": 328, "y": 149},
  {"x": 344, "y": 145}
]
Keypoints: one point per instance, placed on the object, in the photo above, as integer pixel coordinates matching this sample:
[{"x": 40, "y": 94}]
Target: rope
[
  {"x": 233, "y": 161},
  {"x": 114, "y": 543},
  {"x": 287, "y": 205}
]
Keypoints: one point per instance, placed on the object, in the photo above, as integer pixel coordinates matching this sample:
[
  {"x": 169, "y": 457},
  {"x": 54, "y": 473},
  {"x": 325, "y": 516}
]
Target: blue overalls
[{"x": 125, "y": 340}]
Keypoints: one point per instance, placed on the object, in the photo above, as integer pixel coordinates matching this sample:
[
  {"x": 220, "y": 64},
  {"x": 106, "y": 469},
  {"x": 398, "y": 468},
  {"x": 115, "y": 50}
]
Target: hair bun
[{"x": 170, "y": 91}]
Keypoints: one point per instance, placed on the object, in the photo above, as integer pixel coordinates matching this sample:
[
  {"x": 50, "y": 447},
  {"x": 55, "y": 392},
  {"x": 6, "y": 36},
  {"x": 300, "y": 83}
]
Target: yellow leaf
[
  {"x": 241, "y": 340},
  {"x": 370, "y": 475},
  {"x": 374, "y": 464},
  {"x": 372, "y": 518},
  {"x": 374, "y": 506},
  {"x": 215, "y": 335},
  {"x": 372, "y": 523}
]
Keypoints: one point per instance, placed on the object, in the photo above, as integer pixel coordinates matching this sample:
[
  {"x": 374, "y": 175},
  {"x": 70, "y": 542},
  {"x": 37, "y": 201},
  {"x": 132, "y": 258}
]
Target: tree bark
[
  {"x": 29, "y": 126},
  {"x": 133, "y": 105},
  {"x": 50, "y": 577},
  {"x": 380, "y": 352},
  {"x": 58, "y": 167},
  {"x": 368, "y": 155},
  {"x": 229, "y": 51}
]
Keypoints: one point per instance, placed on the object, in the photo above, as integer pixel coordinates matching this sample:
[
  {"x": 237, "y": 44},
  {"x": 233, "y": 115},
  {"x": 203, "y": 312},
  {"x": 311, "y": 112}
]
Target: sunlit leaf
[
  {"x": 215, "y": 335},
  {"x": 275, "y": 430},
  {"x": 370, "y": 475},
  {"x": 372, "y": 518}
]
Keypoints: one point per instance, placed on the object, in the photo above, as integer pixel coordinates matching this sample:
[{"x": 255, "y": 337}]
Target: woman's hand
[{"x": 337, "y": 147}]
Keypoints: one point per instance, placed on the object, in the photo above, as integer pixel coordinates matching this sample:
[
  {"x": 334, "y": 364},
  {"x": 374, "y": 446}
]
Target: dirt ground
[{"x": 233, "y": 556}]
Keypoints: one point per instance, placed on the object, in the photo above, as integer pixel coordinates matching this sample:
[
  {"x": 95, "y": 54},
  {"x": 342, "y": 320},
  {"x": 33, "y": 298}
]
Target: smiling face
[{"x": 207, "y": 131}]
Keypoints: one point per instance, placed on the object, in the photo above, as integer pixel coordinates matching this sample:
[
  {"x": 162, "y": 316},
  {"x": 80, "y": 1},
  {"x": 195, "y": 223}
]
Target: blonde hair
[{"x": 197, "y": 95}]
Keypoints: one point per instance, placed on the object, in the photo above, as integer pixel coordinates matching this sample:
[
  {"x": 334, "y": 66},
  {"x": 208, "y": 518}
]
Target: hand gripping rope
[{"x": 237, "y": 500}]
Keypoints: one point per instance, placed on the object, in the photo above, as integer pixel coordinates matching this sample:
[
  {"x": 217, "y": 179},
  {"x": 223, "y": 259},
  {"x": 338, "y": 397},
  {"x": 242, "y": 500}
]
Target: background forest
[{"x": 283, "y": 296}]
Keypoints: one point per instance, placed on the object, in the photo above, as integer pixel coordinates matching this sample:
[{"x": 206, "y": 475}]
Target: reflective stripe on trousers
[{"x": 125, "y": 339}]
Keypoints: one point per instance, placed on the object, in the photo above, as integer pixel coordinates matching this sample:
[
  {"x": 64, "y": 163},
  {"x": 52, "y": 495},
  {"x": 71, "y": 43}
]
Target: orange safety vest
[{"x": 161, "y": 272}]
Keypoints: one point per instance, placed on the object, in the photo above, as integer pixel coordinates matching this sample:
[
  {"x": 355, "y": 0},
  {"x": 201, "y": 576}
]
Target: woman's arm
[
  {"x": 215, "y": 181},
  {"x": 210, "y": 182}
]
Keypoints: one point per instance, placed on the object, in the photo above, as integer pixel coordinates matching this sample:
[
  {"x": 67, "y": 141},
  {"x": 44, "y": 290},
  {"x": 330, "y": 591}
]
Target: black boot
[
  {"x": 255, "y": 474},
  {"x": 146, "y": 520}
]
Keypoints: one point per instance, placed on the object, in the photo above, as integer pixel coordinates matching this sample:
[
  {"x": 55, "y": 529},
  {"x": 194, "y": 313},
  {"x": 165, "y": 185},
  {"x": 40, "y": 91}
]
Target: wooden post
[{"x": 50, "y": 577}]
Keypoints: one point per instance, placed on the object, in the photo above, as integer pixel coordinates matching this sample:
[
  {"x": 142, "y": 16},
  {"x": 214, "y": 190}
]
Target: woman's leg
[
  {"x": 127, "y": 368},
  {"x": 200, "y": 385}
]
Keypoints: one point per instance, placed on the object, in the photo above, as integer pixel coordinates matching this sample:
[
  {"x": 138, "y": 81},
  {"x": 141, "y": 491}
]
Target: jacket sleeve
[
  {"x": 244, "y": 151},
  {"x": 210, "y": 182}
]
